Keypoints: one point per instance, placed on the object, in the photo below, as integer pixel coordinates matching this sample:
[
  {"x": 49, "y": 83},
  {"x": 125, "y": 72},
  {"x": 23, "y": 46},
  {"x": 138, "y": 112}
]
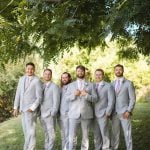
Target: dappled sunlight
[
  {"x": 136, "y": 121},
  {"x": 7, "y": 133},
  {"x": 11, "y": 127}
]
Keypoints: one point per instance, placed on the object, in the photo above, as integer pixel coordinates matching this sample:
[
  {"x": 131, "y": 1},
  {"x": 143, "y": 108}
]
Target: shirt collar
[
  {"x": 47, "y": 83},
  {"x": 121, "y": 79},
  {"x": 30, "y": 77},
  {"x": 100, "y": 83},
  {"x": 80, "y": 80}
]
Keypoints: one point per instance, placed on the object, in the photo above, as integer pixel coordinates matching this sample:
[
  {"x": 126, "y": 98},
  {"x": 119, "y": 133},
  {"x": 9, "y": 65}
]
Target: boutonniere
[{"x": 85, "y": 83}]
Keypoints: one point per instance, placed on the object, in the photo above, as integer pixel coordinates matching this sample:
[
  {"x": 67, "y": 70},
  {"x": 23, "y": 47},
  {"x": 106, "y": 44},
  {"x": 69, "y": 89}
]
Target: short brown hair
[
  {"x": 101, "y": 70},
  {"x": 47, "y": 69},
  {"x": 119, "y": 65},
  {"x": 30, "y": 64},
  {"x": 81, "y": 67}
]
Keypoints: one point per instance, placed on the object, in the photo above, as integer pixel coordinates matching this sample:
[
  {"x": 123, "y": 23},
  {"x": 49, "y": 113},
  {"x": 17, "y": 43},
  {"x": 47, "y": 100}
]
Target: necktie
[
  {"x": 118, "y": 86},
  {"x": 80, "y": 85},
  {"x": 97, "y": 85}
]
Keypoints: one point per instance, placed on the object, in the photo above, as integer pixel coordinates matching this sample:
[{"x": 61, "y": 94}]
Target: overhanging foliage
[{"x": 50, "y": 28}]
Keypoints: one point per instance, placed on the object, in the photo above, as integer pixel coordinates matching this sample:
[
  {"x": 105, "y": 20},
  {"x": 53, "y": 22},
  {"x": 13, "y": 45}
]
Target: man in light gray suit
[
  {"x": 125, "y": 101},
  {"x": 104, "y": 106},
  {"x": 80, "y": 94},
  {"x": 49, "y": 109},
  {"x": 27, "y": 99},
  {"x": 64, "y": 109}
]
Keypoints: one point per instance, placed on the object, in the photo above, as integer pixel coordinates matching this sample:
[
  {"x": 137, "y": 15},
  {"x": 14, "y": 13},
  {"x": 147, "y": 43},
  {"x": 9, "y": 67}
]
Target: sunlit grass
[{"x": 11, "y": 135}]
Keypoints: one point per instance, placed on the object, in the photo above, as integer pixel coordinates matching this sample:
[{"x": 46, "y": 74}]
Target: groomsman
[
  {"x": 49, "y": 109},
  {"x": 104, "y": 106},
  {"x": 125, "y": 101},
  {"x": 64, "y": 109},
  {"x": 27, "y": 99},
  {"x": 80, "y": 94}
]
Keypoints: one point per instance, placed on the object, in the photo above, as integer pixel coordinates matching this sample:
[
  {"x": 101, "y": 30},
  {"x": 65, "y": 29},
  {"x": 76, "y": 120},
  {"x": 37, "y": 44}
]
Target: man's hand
[
  {"x": 77, "y": 93},
  {"x": 83, "y": 93},
  {"x": 29, "y": 110},
  {"x": 126, "y": 115},
  {"x": 15, "y": 113},
  {"x": 108, "y": 116}
]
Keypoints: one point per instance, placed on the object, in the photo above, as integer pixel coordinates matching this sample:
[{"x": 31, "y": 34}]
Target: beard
[
  {"x": 119, "y": 75},
  {"x": 65, "y": 83},
  {"x": 81, "y": 76}
]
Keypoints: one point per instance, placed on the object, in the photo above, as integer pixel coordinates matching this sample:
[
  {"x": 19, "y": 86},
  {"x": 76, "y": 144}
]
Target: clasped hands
[{"x": 80, "y": 92}]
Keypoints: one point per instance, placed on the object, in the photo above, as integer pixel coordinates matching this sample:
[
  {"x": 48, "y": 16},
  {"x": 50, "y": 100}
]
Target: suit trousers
[
  {"x": 97, "y": 135},
  {"x": 117, "y": 122},
  {"x": 64, "y": 125},
  {"x": 29, "y": 125},
  {"x": 48, "y": 124},
  {"x": 73, "y": 126},
  {"x": 104, "y": 129}
]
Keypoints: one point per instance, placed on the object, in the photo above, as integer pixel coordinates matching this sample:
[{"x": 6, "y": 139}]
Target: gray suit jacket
[
  {"x": 125, "y": 99},
  {"x": 30, "y": 97},
  {"x": 51, "y": 100},
  {"x": 81, "y": 106},
  {"x": 106, "y": 100},
  {"x": 64, "y": 104}
]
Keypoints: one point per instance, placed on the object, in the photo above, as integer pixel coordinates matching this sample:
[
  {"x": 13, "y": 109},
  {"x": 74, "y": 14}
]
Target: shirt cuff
[
  {"x": 33, "y": 107},
  {"x": 15, "y": 107}
]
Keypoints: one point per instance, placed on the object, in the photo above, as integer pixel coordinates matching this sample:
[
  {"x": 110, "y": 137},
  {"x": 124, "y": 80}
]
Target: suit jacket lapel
[
  {"x": 122, "y": 84},
  {"x": 76, "y": 84},
  {"x": 24, "y": 82},
  {"x": 85, "y": 85},
  {"x": 113, "y": 83},
  {"x": 103, "y": 84},
  {"x": 100, "y": 88},
  {"x": 29, "y": 84},
  {"x": 47, "y": 87}
]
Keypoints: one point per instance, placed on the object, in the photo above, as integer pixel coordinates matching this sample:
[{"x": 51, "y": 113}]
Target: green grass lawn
[{"x": 11, "y": 135}]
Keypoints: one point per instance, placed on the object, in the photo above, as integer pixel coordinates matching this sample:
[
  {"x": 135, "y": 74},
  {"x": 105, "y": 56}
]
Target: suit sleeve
[
  {"x": 39, "y": 95},
  {"x": 56, "y": 100},
  {"x": 17, "y": 96},
  {"x": 92, "y": 97},
  {"x": 132, "y": 97},
  {"x": 111, "y": 100},
  {"x": 70, "y": 93}
]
